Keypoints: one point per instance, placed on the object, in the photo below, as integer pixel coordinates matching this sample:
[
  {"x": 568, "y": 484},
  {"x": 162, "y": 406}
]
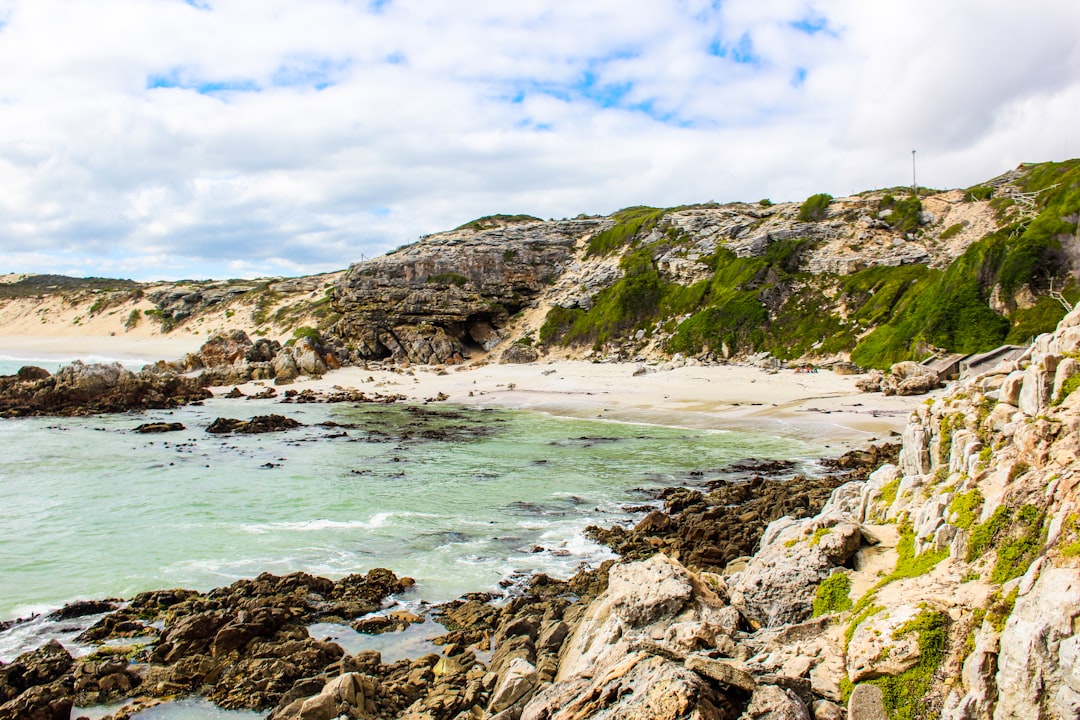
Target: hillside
[{"x": 877, "y": 277}]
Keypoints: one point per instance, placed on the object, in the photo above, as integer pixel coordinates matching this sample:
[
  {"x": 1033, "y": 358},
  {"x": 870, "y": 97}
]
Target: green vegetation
[
  {"x": 997, "y": 614},
  {"x": 1069, "y": 545},
  {"x": 979, "y": 192},
  {"x": 908, "y": 564},
  {"x": 448, "y": 278},
  {"x": 306, "y": 332},
  {"x": 37, "y": 285},
  {"x": 888, "y": 492},
  {"x": 815, "y": 207},
  {"x": 1018, "y": 550},
  {"x": 493, "y": 221},
  {"x": 984, "y": 533},
  {"x": 905, "y": 694},
  {"x": 266, "y": 301},
  {"x": 815, "y": 539},
  {"x": 630, "y": 223},
  {"x": 966, "y": 507},
  {"x": 1067, "y": 389},
  {"x": 880, "y": 315},
  {"x": 133, "y": 319},
  {"x": 833, "y": 594},
  {"x": 905, "y": 213},
  {"x": 952, "y": 231},
  {"x": 1016, "y": 536},
  {"x": 765, "y": 202}
]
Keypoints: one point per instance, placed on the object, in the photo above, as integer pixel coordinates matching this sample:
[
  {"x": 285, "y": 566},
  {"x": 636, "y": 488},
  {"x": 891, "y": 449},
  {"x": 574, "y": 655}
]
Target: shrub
[
  {"x": 447, "y": 278},
  {"x": 133, "y": 319},
  {"x": 979, "y": 192},
  {"x": 815, "y": 207},
  {"x": 905, "y": 213}
]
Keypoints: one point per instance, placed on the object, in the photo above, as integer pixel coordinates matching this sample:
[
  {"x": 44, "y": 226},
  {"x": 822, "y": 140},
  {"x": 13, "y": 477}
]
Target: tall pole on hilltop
[{"x": 914, "y": 186}]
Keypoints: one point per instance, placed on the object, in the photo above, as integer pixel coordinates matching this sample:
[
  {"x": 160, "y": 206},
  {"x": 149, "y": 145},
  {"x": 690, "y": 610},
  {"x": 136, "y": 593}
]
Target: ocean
[{"x": 459, "y": 498}]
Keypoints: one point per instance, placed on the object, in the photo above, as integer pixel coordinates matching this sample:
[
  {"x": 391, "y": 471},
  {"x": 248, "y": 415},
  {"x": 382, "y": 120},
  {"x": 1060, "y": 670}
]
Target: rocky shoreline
[{"x": 246, "y": 646}]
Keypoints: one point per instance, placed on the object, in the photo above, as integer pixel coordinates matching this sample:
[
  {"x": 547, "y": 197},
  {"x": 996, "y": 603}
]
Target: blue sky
[{"x": 224, "y": 138}]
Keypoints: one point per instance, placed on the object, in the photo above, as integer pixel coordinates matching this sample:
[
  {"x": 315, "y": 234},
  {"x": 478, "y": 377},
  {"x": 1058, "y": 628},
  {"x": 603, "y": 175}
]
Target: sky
[{"x": 168, "y": 139}]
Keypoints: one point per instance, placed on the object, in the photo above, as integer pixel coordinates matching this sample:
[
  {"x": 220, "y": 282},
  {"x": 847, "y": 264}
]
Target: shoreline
[{"x": 732, "y": 396}]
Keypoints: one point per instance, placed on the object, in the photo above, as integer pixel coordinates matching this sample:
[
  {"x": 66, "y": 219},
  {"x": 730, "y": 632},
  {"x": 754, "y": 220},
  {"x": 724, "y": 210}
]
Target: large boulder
[{"x": 778, "y": 584}]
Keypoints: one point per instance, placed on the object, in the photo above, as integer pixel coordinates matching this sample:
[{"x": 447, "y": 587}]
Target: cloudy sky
[{"x": 233, "y": 138}]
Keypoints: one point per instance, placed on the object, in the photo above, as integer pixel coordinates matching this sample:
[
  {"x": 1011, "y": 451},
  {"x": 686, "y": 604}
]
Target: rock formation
[
  {"x": 81, "y": 389},
  {"x": 452, "y": 293}
]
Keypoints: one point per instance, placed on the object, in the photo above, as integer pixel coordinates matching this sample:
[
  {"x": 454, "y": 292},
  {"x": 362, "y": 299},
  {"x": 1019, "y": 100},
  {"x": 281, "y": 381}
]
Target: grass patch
[
  {"x": 833, "y": 594},
  {"x": 905, "y": 694},
  {"x": 630, "y": 223},
  {"x": 966, "y": 507},
  {"x": 1017, "y": 538},
  {"x": 888, "y": 492},
  {"x": 815, "y": 207},
  {"x": 1067, "y": 389},
  {"x": 952, "y": 231}
]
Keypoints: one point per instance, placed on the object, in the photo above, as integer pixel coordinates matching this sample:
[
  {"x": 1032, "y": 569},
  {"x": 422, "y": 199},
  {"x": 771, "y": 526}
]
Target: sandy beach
[{"x": 820, "y": 405}]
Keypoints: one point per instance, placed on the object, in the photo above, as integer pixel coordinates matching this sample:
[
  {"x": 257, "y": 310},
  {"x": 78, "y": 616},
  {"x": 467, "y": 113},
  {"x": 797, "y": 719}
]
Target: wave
[{"x": 377, "y": 520}]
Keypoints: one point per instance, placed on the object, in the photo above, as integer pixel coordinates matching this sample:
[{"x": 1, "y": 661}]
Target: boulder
[
  {"x": 519, "y": 354},
  {"x": 779, "y": 583}
]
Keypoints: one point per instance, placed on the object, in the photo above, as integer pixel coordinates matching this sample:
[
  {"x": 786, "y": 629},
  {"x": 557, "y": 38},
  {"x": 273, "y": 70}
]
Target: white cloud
[{"x": 155, "y": 138}]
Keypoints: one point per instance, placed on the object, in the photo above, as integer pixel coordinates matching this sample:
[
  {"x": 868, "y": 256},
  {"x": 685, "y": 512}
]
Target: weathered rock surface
[
  {"x": 257, "y": 424},
  {"x": 436, "y": 301},
  {"x": 81, "y": 389}
]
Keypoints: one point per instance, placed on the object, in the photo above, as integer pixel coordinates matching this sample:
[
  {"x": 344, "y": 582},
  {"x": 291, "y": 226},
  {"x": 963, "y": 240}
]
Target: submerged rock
[{"x": 257, "y": 424}]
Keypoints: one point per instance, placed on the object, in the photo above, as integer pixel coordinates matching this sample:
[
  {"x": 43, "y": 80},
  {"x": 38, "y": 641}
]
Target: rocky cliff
[
  {"x": 881, "y": 277},
  {"x": 878, "y": 277}
]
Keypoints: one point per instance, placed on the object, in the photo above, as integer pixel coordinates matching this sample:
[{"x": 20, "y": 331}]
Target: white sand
[{"x": 822, "y": 406}]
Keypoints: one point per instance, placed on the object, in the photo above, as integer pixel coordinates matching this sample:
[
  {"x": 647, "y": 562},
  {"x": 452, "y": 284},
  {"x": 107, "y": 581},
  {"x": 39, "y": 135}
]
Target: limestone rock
[
  {"x": 779, "y": 583},
  {"x": 427, "y": 302},
  {"x": 1031, "y": 669},
  {"x": 770, "y": 702},
  {"x": 866, "y": 703},
  {"x": 519, "y": 354},
  {"x": 516, "y": 682}
]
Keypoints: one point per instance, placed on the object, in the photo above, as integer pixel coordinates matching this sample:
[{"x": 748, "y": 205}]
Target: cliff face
[
  {"x": 882, "y": 276},
  {"x": 434, "y": 301}
]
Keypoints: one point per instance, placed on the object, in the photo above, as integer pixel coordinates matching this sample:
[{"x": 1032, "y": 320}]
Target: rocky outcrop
[
  {"x": 256, "y": 425},
  {"x": 451, "y": 294},
  {"x": 82, "y": 389},
  {"x": 234, "y": 359}
]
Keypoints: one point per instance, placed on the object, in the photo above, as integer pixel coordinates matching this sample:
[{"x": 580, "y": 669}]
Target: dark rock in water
[
  {"x": 81, "y": 389},
  {"x": 161, "y": 427},
  {"x": 29, "y": 373},
  {"x": 82, "y": 608},
  {"x": 707, "y": 531},
  {"x": 31, "y": 687},
  {"x": 257, "y": 424},
  {"x": 234, "y": 393}
]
